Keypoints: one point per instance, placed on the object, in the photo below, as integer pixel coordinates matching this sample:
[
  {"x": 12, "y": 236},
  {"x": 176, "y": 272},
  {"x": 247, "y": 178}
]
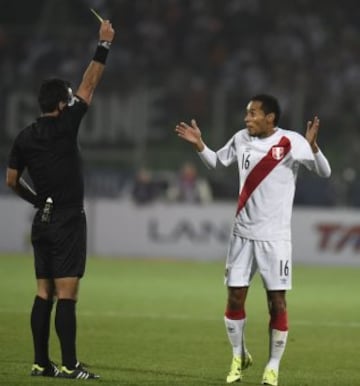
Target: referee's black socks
[
  {"x": 65, "y": 324},
  {"x": 40, "y": 327}
]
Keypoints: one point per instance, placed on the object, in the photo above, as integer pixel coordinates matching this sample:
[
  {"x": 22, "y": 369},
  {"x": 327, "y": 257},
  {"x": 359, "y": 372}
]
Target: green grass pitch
[{"x": 160, "y": 323}]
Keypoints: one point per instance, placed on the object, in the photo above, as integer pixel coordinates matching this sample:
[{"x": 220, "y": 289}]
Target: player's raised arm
[
  {"x": 93, "y": 73},
  {"x": 312, "y": 132},
  {"x": 322, "y": 166}
]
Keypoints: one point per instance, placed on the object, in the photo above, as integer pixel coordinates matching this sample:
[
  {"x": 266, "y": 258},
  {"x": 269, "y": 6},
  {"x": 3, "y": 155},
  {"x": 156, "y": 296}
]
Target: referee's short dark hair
[
  {"x": 52, "y": 92},
  {"x": 269, "y": 104}
]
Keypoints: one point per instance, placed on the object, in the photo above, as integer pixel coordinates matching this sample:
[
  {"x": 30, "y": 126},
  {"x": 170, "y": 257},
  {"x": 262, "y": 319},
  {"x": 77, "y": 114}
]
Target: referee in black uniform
[{"x": 48, "y": 149}]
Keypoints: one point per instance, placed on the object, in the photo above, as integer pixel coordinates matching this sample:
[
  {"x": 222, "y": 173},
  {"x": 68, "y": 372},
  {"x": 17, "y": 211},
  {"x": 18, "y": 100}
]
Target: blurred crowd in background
[{"x": 198, "y": 59}]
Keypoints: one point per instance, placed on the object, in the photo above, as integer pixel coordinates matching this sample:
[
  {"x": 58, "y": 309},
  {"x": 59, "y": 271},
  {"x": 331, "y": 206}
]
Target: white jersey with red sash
[{"x": 267, "y": 174}]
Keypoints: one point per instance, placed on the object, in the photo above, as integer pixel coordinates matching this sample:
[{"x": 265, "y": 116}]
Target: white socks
[
  {"x": 277, "y": 347},
  {"x": 235, "y": 332}
]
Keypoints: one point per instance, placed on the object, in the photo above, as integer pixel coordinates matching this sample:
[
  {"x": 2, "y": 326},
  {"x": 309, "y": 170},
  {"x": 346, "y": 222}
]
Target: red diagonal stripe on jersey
[{"x": 260, "y": 171}]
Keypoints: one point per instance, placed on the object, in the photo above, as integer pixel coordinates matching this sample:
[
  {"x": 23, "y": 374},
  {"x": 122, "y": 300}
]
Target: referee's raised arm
[{"x": 94, "y": 71}]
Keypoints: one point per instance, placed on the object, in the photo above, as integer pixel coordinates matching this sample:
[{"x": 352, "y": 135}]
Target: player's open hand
[
  {"x": 312, "y": 132},
  {"x": 191, "y": 133},
  {"x": 106, "y": 32}
]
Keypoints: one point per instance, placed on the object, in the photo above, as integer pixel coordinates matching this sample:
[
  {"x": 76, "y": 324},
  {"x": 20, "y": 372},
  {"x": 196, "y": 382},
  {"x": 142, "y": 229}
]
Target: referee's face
[{"x": 257, "y": 122}]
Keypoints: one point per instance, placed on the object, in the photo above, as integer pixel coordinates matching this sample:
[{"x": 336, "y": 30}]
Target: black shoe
[
  {"x": 78, "y": 373},
  {"x": 50, "y": 370}
]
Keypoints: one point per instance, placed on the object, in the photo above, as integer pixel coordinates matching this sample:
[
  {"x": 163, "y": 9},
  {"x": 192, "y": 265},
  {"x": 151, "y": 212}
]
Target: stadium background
[
  {"x": 159, "y": 321},
  {"x": 174, "y": 60}
]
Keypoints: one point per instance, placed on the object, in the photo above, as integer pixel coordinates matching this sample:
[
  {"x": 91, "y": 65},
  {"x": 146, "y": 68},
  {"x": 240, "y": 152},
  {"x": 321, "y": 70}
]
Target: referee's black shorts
[{"x": 60, "y": 245}]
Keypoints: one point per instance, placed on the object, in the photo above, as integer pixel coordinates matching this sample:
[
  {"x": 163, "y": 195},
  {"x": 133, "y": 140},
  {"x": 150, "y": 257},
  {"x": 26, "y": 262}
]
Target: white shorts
[{"x": 271, "y": 258}]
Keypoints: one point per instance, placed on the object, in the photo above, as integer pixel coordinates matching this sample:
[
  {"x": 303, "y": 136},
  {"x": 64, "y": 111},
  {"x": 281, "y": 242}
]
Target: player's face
[{"x": 257, "y": 122}]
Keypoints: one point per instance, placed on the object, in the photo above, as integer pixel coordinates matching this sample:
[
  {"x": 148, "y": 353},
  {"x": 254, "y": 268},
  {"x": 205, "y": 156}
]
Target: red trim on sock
[
  {"x": 279, "y": 321},
  {"x": 235, "y": 315}
]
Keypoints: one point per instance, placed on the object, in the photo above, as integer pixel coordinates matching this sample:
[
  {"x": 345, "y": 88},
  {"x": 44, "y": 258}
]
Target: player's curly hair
[
  {"x": 53, "y": 91},
  {"x": 269, "y": 104}
]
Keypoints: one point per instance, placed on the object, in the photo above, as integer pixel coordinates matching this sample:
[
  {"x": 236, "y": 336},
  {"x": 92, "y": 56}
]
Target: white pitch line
[
  {"x": 129, "y": 315},
  {"x": 334, "y": 323}
]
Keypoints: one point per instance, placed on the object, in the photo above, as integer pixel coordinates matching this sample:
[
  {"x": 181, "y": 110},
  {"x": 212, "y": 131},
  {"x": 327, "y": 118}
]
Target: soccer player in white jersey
[{"x": 268, "y": 159}]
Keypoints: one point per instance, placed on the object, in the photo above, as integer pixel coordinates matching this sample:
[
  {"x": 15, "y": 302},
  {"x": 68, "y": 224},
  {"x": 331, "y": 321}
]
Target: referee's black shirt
[{"x": 49, "y": 149}]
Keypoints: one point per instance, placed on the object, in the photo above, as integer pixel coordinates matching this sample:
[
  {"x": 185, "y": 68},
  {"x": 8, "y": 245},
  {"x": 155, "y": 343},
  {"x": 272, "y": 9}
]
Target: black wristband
[
  {"x": 105, "y": 44},
  {"x": 101, "y": 52}
]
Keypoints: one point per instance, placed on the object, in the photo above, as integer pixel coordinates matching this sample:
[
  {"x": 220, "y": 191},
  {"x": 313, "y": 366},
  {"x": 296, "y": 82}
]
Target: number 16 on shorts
[
  {"x": 285, "y": 273},
  {"x": 284, "y": 268}
]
